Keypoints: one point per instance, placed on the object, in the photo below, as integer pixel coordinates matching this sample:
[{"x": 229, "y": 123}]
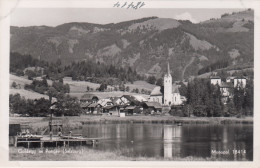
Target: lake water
[{"x": 228, "y": 142}]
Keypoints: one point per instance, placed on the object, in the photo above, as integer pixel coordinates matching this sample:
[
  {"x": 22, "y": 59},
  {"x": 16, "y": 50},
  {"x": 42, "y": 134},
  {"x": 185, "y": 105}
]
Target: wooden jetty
[
  {"x": 26, "y": 139},
  {"x": 55, "y": 141}
]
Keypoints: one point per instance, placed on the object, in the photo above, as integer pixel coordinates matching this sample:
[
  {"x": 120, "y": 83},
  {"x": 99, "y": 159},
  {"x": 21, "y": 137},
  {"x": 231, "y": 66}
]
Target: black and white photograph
[{"x": 131, "y": 83}]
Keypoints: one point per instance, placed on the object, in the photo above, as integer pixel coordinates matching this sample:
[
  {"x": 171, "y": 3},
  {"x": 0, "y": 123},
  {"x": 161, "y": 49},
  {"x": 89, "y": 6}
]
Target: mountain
[{"x": 145, "y": 44}]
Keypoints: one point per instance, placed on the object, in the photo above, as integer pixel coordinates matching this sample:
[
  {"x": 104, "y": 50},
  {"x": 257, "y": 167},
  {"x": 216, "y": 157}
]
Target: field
[
  {"x": 81, "y": 86},
  {"x": 77, "y": 88},
  {"x": 140, "y": 85},
  {"x": 28, "y": 94},
  {"x": 102, "y": 95},
  {"x": 21, "y": 81}
]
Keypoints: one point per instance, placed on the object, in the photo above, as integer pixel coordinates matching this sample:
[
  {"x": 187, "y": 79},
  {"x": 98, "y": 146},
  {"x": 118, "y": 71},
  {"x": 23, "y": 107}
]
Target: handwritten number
[
  {"x": 138, "y": 5},
  {"x": 117, "y": 4}
]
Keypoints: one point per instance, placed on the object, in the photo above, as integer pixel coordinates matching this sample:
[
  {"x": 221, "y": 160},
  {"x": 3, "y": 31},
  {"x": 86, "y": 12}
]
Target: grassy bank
[
  {"x": 39, "y": 123},
  {"x": 88, "y": 154}
]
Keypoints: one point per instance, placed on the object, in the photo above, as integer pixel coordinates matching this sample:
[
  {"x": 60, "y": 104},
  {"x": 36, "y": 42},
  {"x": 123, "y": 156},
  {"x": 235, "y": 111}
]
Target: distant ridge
[{"x": 144, "y": 44}]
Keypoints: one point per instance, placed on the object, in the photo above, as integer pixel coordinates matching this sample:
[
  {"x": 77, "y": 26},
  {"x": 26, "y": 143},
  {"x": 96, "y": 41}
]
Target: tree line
[
  {"x": 214, "y": 66},
  {"x": 42, "y": 87},
  {"x": 87, "y": 70},
  {"x": 206, "y": 100},
  {"x": 65, "y": 105}
]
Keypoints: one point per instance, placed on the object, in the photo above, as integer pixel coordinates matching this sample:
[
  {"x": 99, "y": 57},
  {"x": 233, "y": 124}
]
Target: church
[{"x": 169, "y": 94}]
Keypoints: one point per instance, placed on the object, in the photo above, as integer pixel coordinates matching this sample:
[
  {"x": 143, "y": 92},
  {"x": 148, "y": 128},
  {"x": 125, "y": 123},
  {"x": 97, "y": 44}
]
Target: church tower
[{"x": 167, "y": 87}]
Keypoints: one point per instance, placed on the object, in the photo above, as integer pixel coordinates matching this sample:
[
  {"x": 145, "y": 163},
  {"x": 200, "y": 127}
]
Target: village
[
  {"x": 161, "y": 100},
  {"x": 214, "y": 95}
]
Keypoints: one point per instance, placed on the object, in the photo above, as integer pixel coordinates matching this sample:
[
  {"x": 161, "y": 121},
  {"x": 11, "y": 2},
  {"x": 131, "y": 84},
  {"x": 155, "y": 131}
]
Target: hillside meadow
[{"x": 77, "y": 88}]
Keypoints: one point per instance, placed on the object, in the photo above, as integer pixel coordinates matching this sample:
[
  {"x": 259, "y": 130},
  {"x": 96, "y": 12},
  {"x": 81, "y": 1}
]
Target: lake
[{"x": 222, "y": 142}]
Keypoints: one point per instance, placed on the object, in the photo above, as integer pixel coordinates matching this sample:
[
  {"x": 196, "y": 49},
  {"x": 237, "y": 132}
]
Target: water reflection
[
  {"x": 172, "y": 138},
  {"x": 152, "y": 140}
]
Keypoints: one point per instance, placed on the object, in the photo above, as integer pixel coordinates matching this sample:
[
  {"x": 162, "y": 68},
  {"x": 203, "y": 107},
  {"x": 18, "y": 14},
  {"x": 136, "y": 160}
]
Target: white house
[
  {"x": 215, "y": 80},
  {"x": 240, "y": 82}
]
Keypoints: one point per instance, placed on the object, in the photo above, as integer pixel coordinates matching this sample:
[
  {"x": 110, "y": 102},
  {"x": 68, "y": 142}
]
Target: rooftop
[
  {"x": 175, "y": 89},
  {"x": 93, "y": 105},
  {"x": 154, "y": 104},
  {"x": 156, "y": 91},
  {"x": 130, "y": 107},
  {"x": 84, "y": 105}
]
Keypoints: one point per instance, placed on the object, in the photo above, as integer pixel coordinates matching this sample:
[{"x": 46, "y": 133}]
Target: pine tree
[{"x": 239, "y": 99}]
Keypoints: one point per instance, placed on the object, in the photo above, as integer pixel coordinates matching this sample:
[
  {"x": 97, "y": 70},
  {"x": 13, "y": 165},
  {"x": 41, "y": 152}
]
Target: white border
[{"x": 7, "y": 6}]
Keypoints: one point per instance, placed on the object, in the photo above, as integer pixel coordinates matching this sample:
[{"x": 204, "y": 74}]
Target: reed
[{"x": 76, "y": 122}]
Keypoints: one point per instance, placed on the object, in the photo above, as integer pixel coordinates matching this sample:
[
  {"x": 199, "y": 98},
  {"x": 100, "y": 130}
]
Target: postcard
[{"x": 129, "y": 83}]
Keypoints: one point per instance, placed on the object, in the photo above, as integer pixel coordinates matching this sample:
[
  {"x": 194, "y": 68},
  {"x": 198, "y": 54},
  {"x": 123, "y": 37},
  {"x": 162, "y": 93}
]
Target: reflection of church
[
  {"x": 168, "y": 94},
  {"x": 172, "y": 140}
]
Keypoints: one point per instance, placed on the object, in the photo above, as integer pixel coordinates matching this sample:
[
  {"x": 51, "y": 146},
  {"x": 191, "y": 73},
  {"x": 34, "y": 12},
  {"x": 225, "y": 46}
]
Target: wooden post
[
  {"x": 41, "y": 144},
  {"x": 28, "y": 144},
  {"x": 56, "y": 143},
  {"x": 15, "y": 141},
  {"x": 64, "y": 143}
]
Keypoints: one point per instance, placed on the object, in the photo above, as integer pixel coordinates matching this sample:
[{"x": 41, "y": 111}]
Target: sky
[{"x": 56, "y": 16}]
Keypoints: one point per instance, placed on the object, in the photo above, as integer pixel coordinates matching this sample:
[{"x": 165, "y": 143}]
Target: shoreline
[
  {"x": 137, "y": 119},
  {"x": 75, "y": 122}
]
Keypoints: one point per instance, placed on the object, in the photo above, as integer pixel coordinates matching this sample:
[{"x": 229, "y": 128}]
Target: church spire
[{"x": 168, "y": 70}]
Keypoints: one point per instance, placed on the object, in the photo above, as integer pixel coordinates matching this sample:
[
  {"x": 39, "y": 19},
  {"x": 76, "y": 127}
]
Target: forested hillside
[{"x": 142, "y": 47}]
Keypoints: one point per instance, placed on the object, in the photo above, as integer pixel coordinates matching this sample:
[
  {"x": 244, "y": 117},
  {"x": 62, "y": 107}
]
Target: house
[
  {"x": 117, "y": 100},
  {"x": 130, "y": 100},
  {"x": 153, "y": 106},
  {"x": 84, "y": 106},
  {"x": 130, "y": 110},
  {"x": 94, "y": 108},
  {"x": 214, "y": 80},
  {"x": 156, "y": 95},
  {"x": 89, "y": 98},
  {"x": 121, "y": 100},
  {"x": 105, "y": 102},
  {"x": 240, "y": 82},
  {"x": 226, "y": 90},
  {"x": 111, "y": 110}
]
